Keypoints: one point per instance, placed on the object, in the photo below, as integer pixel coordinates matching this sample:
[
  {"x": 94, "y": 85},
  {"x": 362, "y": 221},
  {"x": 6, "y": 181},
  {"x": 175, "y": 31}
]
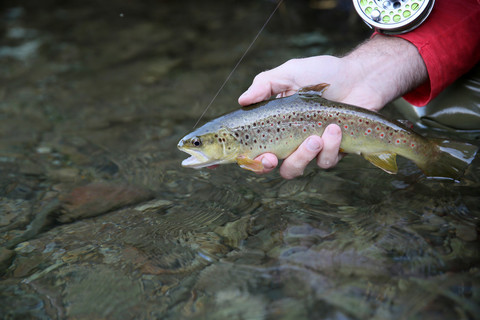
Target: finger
[
  {"x": 329, "y": 157},
  {"x": 269, "y": 161},
  {"x": 267, "y": 84},
  {"x": 295, "y": 164},
  {"x": 255, "y": 93}
]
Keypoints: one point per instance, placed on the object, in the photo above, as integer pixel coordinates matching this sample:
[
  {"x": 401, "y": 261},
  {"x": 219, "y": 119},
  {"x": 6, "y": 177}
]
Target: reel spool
[{"x": 393, "y": 16}]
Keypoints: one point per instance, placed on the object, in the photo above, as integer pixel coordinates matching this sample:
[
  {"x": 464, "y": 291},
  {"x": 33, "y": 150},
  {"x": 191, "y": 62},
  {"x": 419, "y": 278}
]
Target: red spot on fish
[
  {"x": 360, "y": 120},
  {"x": 382, "y": 135},
  {"x": 319, "y": 123},
  {"x": 345, "y": 126},
  {"x": 413, "y": 145},
  {"x": 304, "y": 130}
]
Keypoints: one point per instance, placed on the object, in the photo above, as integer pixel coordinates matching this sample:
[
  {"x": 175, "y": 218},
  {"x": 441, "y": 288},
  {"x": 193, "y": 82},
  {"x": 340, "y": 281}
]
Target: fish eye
[{"x": 196, "y": 142}]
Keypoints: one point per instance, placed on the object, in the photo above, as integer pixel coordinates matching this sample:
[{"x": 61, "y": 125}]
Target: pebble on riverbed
[{"x": 99, "y": 197}]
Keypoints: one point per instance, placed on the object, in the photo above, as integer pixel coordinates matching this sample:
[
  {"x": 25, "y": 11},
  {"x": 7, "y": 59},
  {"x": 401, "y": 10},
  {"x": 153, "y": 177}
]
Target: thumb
[{"x": 254, "y": 94}]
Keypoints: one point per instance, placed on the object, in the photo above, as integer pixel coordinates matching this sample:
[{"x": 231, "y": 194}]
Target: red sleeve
[{"x": 449, "y": 43}]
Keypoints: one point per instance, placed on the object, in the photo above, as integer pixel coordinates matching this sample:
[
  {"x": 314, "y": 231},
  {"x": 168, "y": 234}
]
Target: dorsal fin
[{"x": 317, "y": 89}]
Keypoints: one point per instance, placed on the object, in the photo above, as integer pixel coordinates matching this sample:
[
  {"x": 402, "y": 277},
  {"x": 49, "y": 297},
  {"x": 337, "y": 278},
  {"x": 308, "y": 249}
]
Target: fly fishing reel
[{"x": 393, "y": 16}]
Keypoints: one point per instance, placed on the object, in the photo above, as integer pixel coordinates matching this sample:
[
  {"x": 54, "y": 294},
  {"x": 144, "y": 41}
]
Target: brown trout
[{"x": 280, "y": 125}]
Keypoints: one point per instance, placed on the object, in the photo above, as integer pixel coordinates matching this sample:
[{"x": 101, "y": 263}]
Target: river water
[{"x": 98, "y": 220}]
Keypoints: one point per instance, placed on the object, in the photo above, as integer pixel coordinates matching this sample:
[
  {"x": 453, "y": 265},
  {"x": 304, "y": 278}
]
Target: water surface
[{"x": 98, "y": 220}]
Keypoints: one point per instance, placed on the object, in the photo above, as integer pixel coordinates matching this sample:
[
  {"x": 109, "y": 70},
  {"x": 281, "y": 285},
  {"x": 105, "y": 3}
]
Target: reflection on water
[{"x": 99, "y": 221}]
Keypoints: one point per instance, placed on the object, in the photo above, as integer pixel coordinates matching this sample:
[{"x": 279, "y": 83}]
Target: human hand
[{"x": 343, "y": 75}]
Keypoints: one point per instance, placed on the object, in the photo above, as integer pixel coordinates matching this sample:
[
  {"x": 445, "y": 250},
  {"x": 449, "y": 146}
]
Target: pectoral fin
[
  {"x": 249, "y": 164},
  {"x": 386, "y": 161}
]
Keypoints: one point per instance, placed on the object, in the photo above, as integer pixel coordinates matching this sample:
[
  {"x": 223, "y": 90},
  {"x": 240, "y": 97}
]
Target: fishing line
[{"x": 238, "y": 63}]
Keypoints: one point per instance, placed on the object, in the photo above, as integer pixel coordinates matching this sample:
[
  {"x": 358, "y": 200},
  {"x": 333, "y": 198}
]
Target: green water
[{"x": 98, "y": 220}]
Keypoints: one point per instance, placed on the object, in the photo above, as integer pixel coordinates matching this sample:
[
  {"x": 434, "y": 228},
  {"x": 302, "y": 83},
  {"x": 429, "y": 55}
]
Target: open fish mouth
[{"x": 198, "y": 159}]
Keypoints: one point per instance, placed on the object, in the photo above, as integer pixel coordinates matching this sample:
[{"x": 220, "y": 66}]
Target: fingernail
[
  {"x": 267, "y": 164},
  {"x": 313, "y": 145},
  {"x": 331, "y": 131}
]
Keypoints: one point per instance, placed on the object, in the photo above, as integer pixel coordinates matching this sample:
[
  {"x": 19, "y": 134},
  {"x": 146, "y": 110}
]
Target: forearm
[{"x": 385, "y": 67}]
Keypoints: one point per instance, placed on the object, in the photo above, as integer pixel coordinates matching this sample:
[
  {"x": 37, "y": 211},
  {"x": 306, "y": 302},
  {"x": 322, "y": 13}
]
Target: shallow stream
[{"x": 98, "y": 220}]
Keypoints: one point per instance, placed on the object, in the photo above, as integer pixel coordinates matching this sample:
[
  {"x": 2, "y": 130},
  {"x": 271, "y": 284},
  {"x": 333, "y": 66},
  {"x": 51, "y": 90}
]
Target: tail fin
[{"x": 452, "y": 160}]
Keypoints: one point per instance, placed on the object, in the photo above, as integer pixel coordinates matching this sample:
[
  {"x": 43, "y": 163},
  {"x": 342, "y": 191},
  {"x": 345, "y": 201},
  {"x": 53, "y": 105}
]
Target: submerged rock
[{"x": 99, "y": 197}]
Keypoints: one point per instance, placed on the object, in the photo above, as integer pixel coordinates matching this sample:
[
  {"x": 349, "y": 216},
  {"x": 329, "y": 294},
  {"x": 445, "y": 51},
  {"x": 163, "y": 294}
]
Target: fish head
[{"x": 208, "y": 148}]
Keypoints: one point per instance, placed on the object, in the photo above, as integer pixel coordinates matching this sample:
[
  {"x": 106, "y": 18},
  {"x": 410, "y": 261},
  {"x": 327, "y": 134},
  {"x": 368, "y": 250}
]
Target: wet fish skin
[{"x": 280, "y": 125}]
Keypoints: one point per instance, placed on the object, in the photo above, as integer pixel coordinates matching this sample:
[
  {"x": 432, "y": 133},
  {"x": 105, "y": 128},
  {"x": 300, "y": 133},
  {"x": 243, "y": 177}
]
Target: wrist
[{"x": 386, "y": 68}]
